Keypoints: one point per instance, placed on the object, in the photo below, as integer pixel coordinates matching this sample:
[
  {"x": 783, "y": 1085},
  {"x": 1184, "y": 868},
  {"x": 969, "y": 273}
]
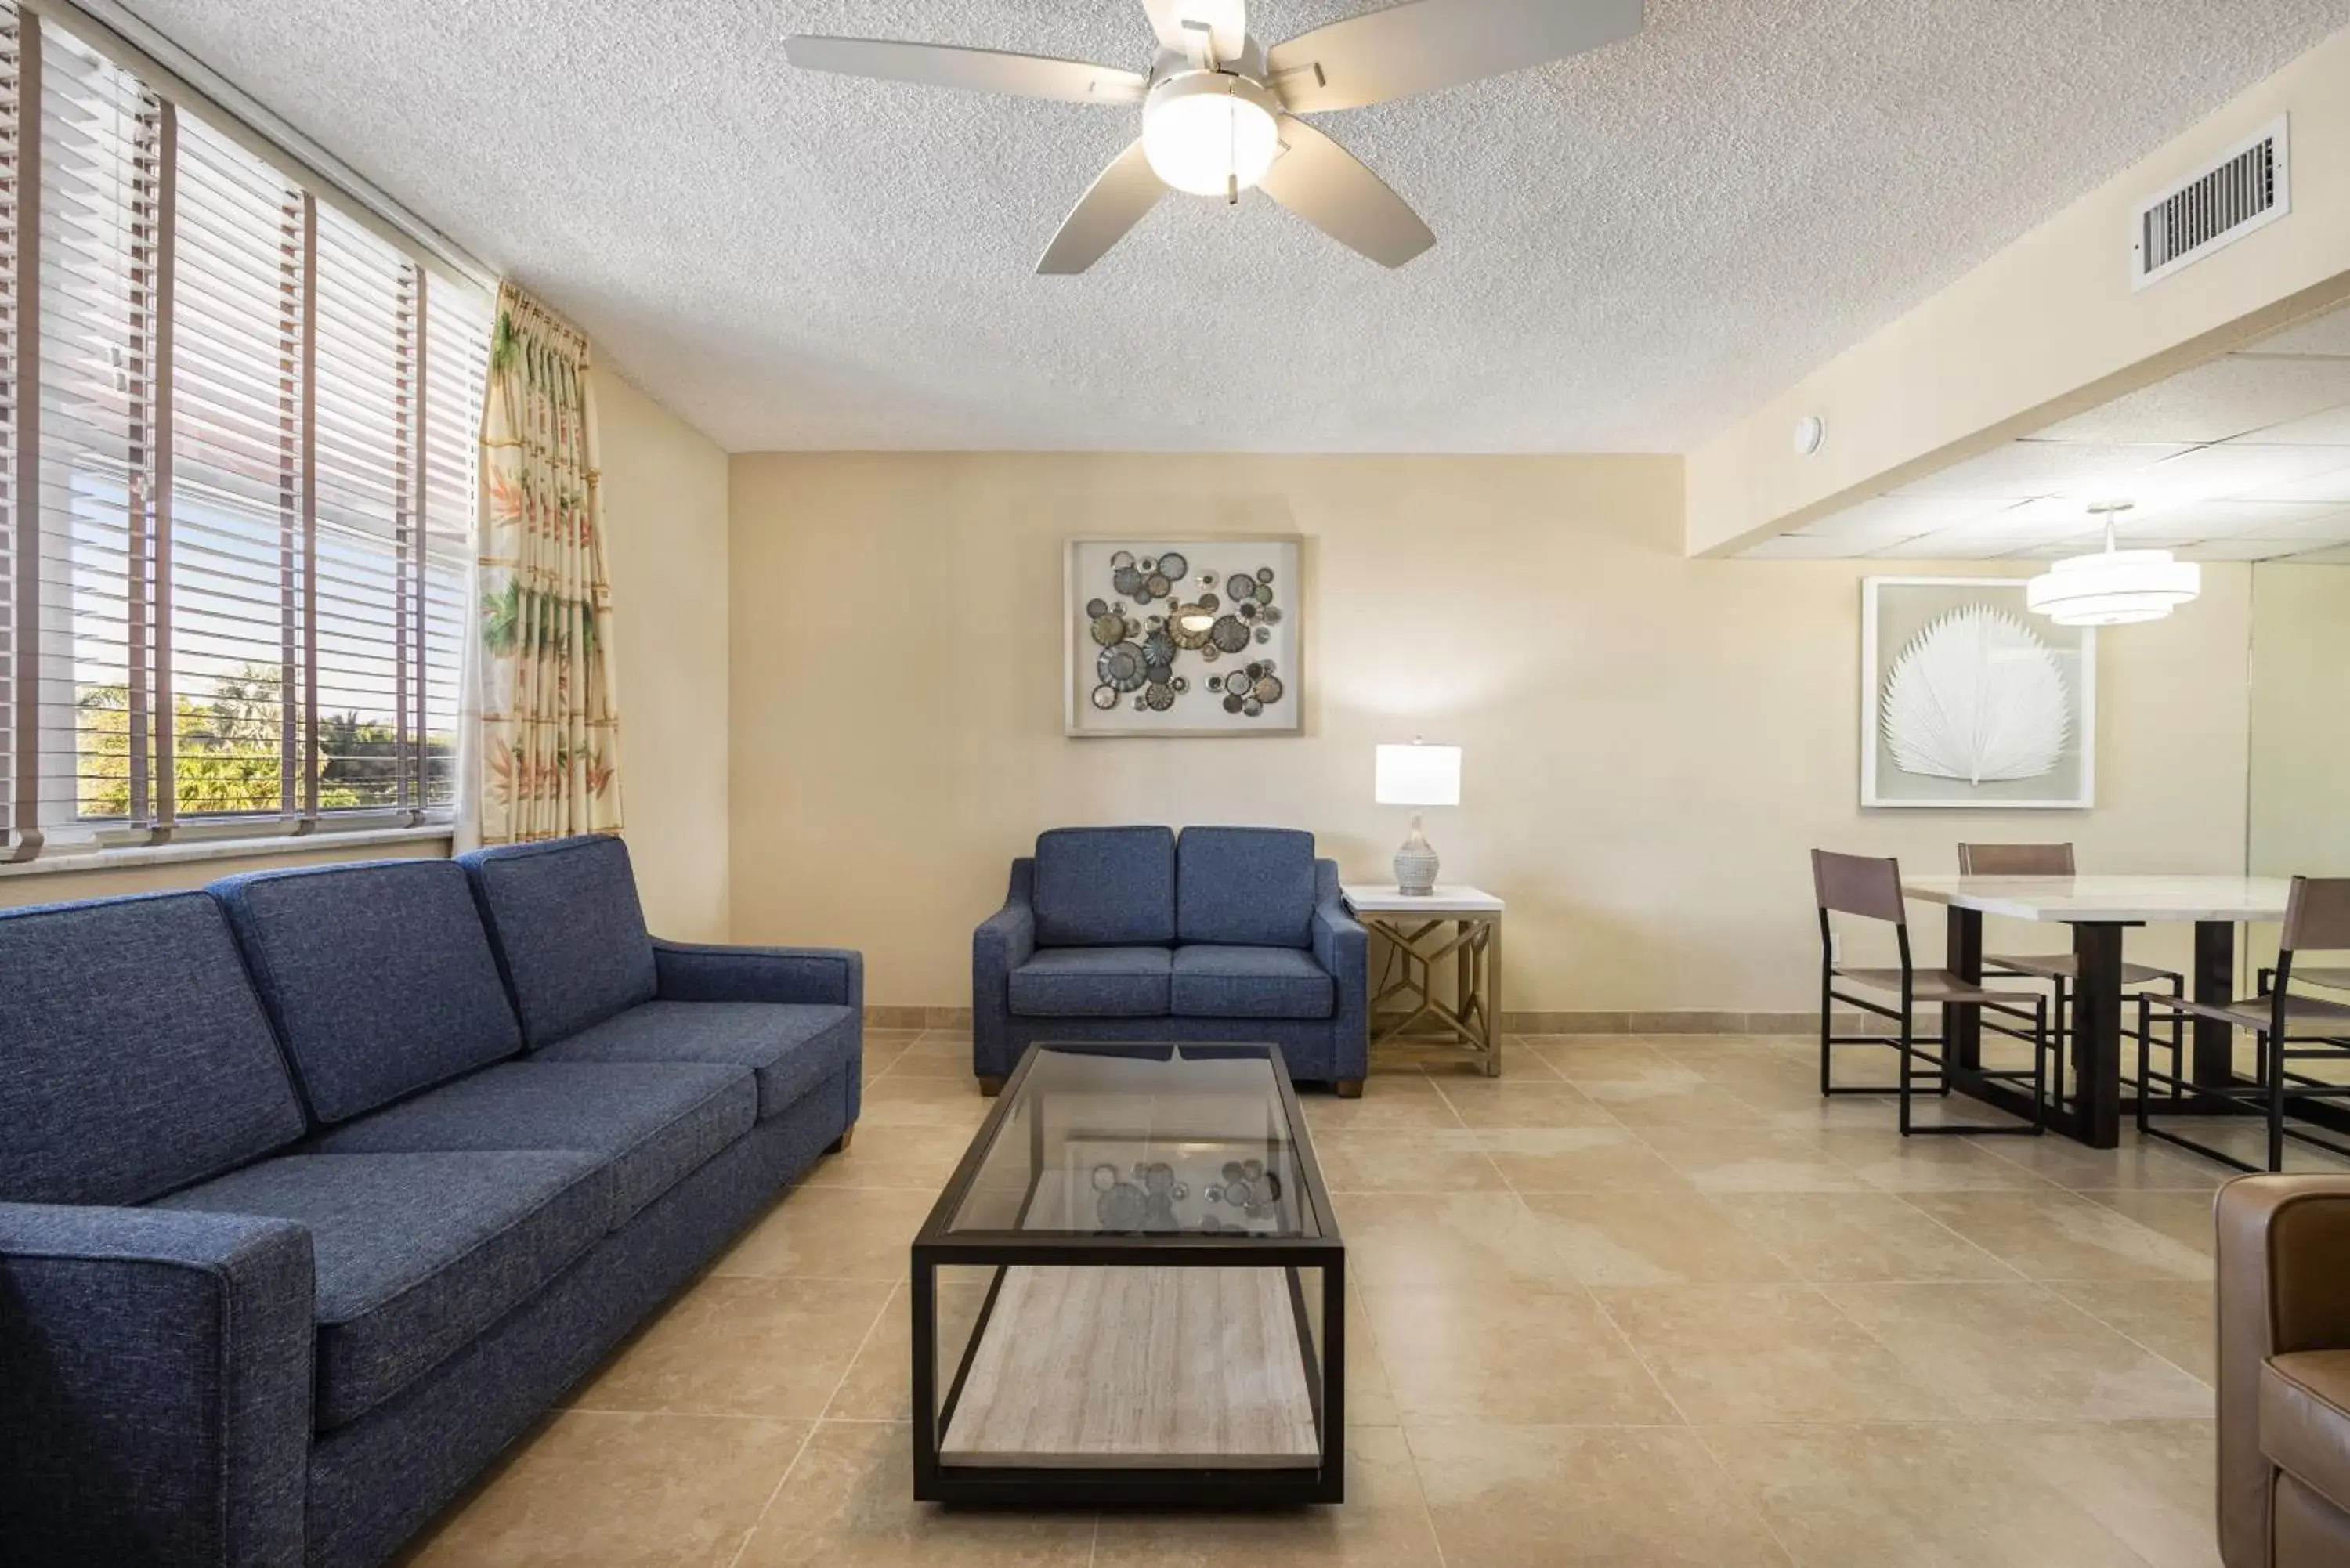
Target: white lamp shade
[
  {"x": 2113, "y": 587},
  {"x": 1419, "y": 775}
]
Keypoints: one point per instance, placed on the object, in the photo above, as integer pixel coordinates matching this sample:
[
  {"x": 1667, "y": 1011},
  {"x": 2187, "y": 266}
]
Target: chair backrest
[
  {"x": 2015, "y": 860},
  {"x": 2318, "y": 914},
  {"x": 1859, "y": 885}
]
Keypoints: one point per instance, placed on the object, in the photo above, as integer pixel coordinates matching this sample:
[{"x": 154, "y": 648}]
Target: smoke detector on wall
[{"x": 1811, "y": 434}]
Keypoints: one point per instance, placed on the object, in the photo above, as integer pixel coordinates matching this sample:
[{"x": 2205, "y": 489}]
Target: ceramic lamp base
[{"x": 1415, "y": 864}]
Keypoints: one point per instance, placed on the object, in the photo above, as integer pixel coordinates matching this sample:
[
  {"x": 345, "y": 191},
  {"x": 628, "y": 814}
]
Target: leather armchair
[{"x": 2283, "y": 1271}]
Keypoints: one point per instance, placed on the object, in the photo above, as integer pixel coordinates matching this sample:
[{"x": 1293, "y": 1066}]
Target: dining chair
[
  {"x": 2062, "y": 971},
  {"x": 1870, "y": 889},
  {"x": 2287, "y": 1027}
]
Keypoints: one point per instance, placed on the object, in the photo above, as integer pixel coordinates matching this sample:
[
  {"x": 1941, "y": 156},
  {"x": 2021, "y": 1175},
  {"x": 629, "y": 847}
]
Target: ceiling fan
[{"x": 1219, "y": 110}]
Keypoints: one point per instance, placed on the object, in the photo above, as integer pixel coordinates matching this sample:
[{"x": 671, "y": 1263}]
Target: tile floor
[{"x": 1641, "y": 1300}]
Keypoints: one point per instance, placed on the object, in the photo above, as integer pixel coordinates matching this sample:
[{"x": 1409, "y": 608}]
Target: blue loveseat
[
  {"x": 317, "y": 1186},
  {"x": 1134, "y": 933}
]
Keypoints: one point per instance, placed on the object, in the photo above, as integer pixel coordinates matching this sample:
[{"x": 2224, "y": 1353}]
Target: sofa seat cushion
[
  {"x": 793, "y": 1046},
  {"x": 2306, "y": 1419},
  {"x": 1247, "y": 887},
  {"x": 1092, "y": 983},
  {"x": 1214, "y": 982},
  {"x": 416, "y": 1255},
  {"x": 653, "y": 1123}
]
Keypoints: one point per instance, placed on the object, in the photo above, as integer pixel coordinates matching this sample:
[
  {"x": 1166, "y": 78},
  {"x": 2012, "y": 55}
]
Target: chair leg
[
  {"x": 2039, "y": 1048},
  {"x": 1909, "y": 1028},
  {"x": 2144, "y": 1057},
  {"x": 2272, "y": 1058}
]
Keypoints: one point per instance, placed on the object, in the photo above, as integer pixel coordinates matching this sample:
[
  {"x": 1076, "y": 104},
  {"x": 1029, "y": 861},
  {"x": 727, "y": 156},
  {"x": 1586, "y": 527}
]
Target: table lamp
[{"x": 1418, "y": 775}]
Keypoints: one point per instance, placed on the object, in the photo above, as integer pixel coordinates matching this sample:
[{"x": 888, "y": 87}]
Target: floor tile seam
[
  {"x": 2085, "y": 1198},
  {"x": 1905, "y": 1200},
  {"x": 838, "y": 1384}
]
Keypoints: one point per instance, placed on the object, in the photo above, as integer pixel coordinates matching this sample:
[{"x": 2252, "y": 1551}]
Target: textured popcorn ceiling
[{"x": 1634, "y": 247}]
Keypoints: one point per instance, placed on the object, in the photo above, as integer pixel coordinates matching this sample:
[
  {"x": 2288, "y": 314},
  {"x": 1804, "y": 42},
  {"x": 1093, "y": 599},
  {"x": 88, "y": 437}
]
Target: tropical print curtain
[{"x": 548, "y": 745}]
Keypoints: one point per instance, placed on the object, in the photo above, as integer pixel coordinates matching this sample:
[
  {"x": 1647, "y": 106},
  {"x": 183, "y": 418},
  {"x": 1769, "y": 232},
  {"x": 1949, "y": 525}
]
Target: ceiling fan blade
[
  {"x": 1426, "y": 45},
  {"x": 1116, "y": 201},
  {"x": 1331, "y": 189},
  {"x": 1179, "y": 24},
  {"x": 979, "y": 70}
]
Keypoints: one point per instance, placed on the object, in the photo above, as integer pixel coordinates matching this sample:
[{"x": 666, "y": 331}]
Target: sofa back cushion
[
  {"x": 134, "y": 1055},
  {"x": 570, "y": 932},
  {"x": 1245, "y": 886},
  {"x": 1105, "y": 886},
  {"x": 378, "y": 977}
]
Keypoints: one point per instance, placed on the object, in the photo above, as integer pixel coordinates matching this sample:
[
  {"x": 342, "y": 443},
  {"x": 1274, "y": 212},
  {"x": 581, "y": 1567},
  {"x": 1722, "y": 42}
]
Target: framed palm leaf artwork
[{"x": 1970, "y": 702}]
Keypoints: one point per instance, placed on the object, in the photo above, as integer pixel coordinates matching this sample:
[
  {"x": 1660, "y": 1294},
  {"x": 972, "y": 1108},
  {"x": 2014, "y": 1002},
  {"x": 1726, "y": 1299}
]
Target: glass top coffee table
[{"x": 1132, "y": 1290}]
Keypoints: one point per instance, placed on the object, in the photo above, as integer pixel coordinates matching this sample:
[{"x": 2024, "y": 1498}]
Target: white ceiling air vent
[{"x": 2247, "y": 190}]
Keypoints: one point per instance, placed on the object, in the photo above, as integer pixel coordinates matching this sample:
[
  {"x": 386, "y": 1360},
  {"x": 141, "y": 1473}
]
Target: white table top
[
  {"x": 2148, "y": 899},
  {"x": 1450, "y": 898}
]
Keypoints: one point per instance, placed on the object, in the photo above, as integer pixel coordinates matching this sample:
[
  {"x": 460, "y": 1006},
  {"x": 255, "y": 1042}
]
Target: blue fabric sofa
[
  {"x": 1134, "y": 933},
  {"x": 318, "y": 1187}
]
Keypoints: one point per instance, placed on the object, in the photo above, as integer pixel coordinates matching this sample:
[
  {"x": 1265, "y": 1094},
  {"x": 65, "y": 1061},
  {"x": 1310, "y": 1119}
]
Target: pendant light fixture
[{"x": 2114, "y": 587}]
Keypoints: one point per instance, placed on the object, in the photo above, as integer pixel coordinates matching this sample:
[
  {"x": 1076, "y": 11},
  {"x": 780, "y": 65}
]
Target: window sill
[{"x": 66, "y": 863}]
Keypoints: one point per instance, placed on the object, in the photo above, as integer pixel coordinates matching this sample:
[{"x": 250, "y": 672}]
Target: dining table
[{"x": 2099, "y": 909}]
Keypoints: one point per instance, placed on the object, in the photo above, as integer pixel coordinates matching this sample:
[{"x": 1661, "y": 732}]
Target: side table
[{"x": 1420, "y": 933}]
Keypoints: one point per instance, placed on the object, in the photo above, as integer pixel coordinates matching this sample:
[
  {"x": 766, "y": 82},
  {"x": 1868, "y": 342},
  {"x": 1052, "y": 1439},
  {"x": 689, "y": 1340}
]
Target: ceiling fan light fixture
[{"x": 1210, "y": 132}]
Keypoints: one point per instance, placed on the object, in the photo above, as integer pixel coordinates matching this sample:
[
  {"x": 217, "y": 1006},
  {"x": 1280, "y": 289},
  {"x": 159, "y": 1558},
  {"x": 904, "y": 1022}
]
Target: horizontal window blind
[{"x": 233, "y": 596}]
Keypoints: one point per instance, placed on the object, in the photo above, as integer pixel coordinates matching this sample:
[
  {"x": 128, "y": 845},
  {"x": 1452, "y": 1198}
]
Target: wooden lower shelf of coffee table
[{"x": 1136, "y": 1367}]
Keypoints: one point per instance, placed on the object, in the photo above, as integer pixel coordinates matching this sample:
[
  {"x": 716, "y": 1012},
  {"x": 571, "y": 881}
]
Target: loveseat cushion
[
  {"x": 1245, "y": 887},
  {"x": 416, "y": 1255},
  {"x": 570, "y": 934},
  {"x": 2306, "y": 1419},
  {"x": 653, "y": 1123},
  {"x": 134, "y": 1055},
  {"x": 793, "y": 1046},
  {"x": 378, "y": 977},
  {"x": 1092, "y": 983},
  {"x": 1216, "y": 981},
  {"x": 1105, "y": 886}
]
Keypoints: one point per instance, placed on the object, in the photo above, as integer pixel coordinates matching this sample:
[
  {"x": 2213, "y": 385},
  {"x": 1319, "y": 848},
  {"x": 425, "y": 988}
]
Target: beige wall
[
  {"x": 2049, "y": 326},
  {"x": 2301, "y": 720},
  {"x": 1653, "y": 742},
  {"x": 664, "y": 488}
]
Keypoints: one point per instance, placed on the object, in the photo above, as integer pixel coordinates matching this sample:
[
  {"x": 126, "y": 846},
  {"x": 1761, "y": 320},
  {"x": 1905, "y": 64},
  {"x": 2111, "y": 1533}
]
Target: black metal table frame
[
  {"x": 936, "y": 1246},
  {"x": 2094, "y": 1115}
]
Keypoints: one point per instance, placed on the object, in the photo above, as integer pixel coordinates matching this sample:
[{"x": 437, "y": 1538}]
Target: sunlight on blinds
[{"x": 235, "y": 601}]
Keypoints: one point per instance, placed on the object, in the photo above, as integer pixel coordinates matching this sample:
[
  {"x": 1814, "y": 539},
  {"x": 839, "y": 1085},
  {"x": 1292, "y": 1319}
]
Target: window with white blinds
[{"x": 231, "y": 602}]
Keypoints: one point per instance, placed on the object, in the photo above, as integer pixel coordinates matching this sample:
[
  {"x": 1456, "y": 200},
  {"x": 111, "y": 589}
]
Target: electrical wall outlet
[{"x": 1835, "y": 947}]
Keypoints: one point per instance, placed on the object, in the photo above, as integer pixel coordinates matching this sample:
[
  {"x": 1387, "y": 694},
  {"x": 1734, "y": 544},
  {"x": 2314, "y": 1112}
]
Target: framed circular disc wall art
[{"x": 1183, "y": 637}]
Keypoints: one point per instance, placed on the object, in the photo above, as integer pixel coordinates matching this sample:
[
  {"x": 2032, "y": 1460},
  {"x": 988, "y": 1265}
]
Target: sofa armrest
[
  {"x": 2281, "y": 1288},
  {"x": 699, "y": 971},
  {"x": 1342, "y": 947},
  {"x": 1003, "y": 941},
  {"x": 155, "y": 1384}
]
